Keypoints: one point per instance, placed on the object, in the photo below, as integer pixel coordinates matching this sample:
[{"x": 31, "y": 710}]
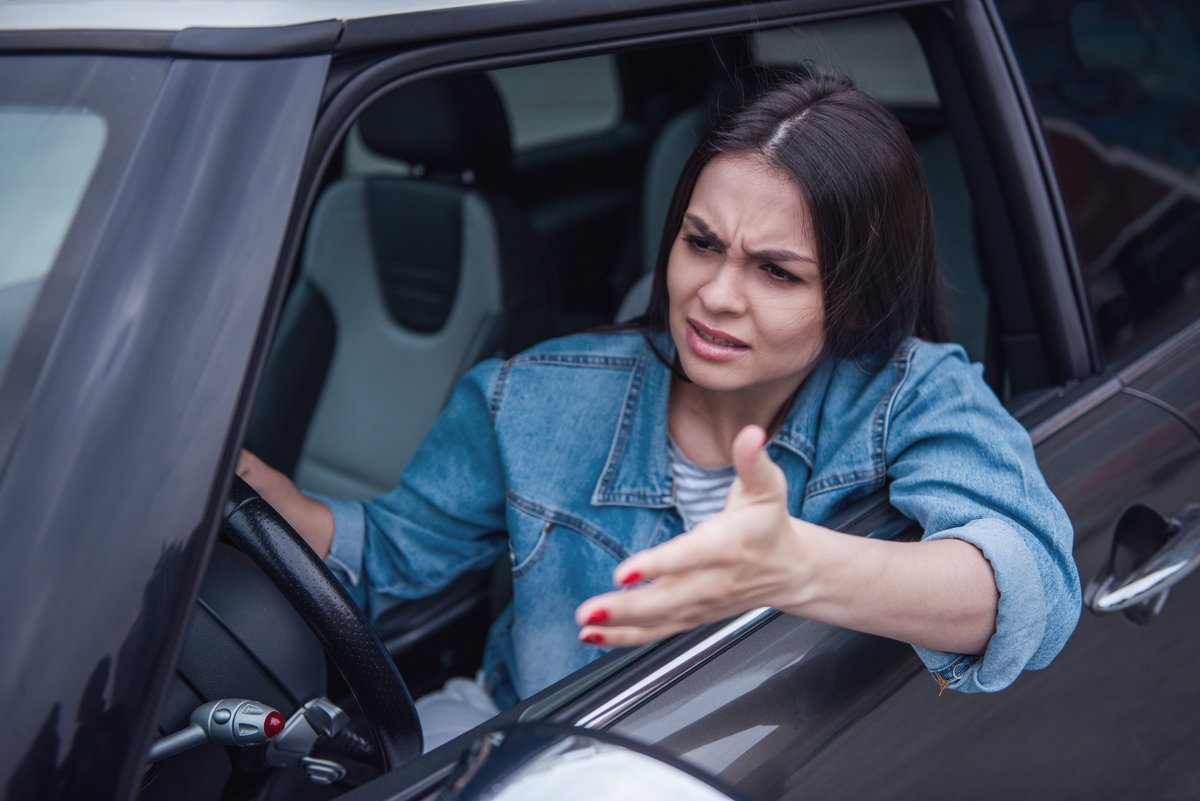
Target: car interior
[{"x": 471, "y": 214}]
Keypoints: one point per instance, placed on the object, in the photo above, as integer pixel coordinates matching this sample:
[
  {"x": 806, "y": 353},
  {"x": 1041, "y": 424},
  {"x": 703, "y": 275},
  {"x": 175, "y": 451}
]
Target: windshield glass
[
  {"x": 69, "y": 124},
  {"x": 47, "y": 158}
]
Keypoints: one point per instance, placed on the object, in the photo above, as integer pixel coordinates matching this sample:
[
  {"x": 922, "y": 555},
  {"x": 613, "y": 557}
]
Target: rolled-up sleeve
[
  {"x": 345, "y": 557},
  {"x": 963, "y": 468},
  {"x": 445, "y": 517}
]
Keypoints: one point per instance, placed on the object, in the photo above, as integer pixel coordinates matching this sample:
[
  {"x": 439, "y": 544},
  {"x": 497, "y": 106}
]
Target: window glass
[
  {"x": 47, "y": 158},
  {"x": 1116, "y": 83},
  {"x": 880, "y": 53},
  {"x": 560, "y": 101},
  {"x": 546, "y": 104}
]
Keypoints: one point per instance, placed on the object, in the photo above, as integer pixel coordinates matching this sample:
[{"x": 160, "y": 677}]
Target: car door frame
[{"x": 614, "y": 682}]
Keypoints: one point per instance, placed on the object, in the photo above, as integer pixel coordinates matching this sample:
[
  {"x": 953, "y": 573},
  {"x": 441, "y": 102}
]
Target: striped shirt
[{"x": 700, "y": 491}]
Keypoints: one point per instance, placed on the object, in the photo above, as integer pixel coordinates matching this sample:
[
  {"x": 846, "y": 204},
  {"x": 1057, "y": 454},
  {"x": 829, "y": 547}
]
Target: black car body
[{"x": 1062, "y": 142}]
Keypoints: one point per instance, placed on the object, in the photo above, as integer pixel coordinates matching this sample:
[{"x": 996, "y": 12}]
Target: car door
[
  {"x": 121, "y": 394},
  {"x": 1113, "y": 716}
]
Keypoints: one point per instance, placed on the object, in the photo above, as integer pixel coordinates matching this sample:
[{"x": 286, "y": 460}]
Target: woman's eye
[
  {"x": 777, "y": 273},
  {"x": 701, "y": 244}
]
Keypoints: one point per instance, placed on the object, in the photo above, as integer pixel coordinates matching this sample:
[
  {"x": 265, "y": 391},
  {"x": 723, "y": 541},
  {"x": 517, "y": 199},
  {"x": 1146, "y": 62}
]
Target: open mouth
[{"x": 708, "y": 335}]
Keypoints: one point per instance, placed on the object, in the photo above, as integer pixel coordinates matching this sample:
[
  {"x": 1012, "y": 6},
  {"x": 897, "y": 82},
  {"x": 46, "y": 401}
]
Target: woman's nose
[{"x": 722, "y": 293}]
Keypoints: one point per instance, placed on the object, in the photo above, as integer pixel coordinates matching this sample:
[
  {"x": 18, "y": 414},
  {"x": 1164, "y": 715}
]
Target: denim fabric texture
[{"x": 559, "y": 456}]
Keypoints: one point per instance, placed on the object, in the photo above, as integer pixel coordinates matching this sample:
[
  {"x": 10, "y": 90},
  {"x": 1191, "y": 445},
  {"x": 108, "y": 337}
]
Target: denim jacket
[{"x": 560, "y": 455}]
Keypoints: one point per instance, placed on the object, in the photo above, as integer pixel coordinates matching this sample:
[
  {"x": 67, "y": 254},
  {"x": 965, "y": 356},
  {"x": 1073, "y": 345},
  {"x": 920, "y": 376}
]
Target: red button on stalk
[{"x": 273, "y": 725}]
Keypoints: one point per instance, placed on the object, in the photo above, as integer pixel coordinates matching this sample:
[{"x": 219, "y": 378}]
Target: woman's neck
[{"x": 703, "y": 422}]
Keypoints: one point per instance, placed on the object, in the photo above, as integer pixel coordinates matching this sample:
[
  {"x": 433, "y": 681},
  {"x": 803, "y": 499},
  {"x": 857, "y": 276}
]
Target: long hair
[{"x": 863, "y": 184}]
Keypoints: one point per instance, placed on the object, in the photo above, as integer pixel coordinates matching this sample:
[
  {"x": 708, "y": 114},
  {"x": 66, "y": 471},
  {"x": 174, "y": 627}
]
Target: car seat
[
  {"x": 664, "y": 164},
  {"x": 405, "y": 282}
]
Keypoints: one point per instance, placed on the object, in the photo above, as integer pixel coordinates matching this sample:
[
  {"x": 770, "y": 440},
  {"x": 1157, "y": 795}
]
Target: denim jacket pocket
[
  {"x": 522, "y": 563},
  {"x": 534, "y": 525}
]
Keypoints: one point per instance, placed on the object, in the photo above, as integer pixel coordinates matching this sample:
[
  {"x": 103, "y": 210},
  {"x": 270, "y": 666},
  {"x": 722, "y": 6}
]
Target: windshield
[
  {"x": 68, "y": 125},
  {"x": 47, "y": 157}
]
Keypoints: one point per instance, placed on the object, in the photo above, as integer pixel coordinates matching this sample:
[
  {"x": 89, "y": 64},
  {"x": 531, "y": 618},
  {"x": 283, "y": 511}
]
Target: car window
[
  {"x": 1116, "y": 84},
  {"x": 47, "y": 158},
  {"x": 561, "y": 101},
  {"x": 879, "y": 52},
  {"x": 547, "y": 104}
]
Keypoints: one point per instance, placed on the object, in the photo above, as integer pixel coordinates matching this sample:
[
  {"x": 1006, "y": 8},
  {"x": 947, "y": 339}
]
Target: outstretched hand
[{"x": 749, "y": 555}]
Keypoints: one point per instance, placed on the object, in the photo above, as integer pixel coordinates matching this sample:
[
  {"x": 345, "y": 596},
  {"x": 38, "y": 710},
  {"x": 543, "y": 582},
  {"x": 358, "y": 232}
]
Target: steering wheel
[{"x": 260, "y": 532}]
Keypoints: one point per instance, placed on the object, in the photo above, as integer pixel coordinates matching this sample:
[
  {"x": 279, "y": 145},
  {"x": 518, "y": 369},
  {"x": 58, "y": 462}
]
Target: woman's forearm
[
  {"x": 314, "y": 522},
  {"x": 940, "y": 594},
  {"x": 312, "y": 519}
]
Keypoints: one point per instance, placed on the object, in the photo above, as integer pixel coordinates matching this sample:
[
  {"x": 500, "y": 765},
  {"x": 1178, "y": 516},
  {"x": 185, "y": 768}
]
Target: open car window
[{"x": 428, "y": 252}]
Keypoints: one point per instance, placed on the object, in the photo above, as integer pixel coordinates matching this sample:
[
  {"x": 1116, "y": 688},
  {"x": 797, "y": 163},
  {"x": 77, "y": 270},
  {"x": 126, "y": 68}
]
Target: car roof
[
  {"x": 176, "y": 15},
  {"x": 240, "y": 28}
]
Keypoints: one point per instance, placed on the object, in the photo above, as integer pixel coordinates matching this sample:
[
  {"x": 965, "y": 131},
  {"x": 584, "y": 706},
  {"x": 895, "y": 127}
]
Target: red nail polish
[
  {"x": 599, "y": 616},
  {"x": 593, "y": 638},
  {"x": 631, "y": 578}
]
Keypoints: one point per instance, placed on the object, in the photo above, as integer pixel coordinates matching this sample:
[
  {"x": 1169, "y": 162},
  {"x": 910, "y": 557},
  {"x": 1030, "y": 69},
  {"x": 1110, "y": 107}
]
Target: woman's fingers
[
  {"x": 722, "y": 567},
  {"x": 247, "y": 463},
  {"x": 681, "y": 601},
  {"x": 759, "y": 479},
  {"x": 644, "y": 606},
  {"x": 625, "y": 636},
  {"x": 697, "y": 549}
]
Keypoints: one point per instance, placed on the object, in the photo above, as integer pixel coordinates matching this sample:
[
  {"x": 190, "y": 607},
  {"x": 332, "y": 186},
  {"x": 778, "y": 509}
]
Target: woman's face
[{"x": 747, "y": 310}]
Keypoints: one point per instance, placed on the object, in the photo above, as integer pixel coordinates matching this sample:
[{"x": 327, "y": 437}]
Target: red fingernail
[
  {"x": 631, "y": 578},
  {"x": 593, "y": 638},
  {"x": 599, "y": 616}
]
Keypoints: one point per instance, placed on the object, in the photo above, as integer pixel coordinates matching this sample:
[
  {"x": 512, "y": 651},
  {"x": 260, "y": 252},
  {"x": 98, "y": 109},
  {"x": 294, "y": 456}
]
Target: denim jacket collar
[{"x": 638, "y": 473}]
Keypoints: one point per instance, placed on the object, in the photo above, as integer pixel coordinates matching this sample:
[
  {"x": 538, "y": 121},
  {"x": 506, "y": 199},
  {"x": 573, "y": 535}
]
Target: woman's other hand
[
  {"x": 311, "y": 518},
  {"x": 939, "y": 594},
  {"x": 750, "y": 555}
]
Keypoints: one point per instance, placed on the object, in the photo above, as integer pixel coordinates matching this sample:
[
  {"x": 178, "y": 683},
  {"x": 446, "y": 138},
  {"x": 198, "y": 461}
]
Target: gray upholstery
[
  {"x": 958, "y": 255},
  {"x": 386, "y": 382},
  {"x": 637, "y": 298},
  {"x": 663, "y": 166}
]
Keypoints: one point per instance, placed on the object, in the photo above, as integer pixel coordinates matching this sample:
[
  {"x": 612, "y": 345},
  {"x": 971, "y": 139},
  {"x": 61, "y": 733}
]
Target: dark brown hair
[{"x": 863, "y": 185}]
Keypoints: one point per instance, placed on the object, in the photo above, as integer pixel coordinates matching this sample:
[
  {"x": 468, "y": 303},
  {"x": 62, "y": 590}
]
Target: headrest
[{"x": 447, "y": 124}]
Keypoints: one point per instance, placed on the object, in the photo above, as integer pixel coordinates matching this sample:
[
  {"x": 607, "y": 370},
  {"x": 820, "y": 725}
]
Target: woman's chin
[{"x": 711, "y": 376}]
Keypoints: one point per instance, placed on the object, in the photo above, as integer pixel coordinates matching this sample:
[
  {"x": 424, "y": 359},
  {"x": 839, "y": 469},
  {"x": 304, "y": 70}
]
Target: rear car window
[
  {"x": 880, "y": 52},
  {"x": 558, "y": 102},
  {"x": 1116, "y": 84},
  {"x": 547, "y": 104},
  {"x": 47, "y": 158}
]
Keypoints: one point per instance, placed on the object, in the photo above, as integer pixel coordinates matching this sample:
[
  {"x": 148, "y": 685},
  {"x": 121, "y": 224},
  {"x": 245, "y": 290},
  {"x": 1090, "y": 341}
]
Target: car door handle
[{"x": 1174, "y": 561}]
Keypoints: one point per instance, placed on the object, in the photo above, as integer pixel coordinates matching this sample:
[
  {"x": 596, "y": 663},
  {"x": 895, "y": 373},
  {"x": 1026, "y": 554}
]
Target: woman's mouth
[{"x": 711, "y": 343}]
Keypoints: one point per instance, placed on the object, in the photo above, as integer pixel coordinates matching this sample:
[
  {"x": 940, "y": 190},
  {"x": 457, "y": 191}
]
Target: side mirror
[{"x": 535, "y": 761}]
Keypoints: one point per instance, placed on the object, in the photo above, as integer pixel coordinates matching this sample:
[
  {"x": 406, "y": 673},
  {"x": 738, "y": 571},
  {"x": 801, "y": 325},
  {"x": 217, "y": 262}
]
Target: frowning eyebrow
[{"x": 769, "y": 254}]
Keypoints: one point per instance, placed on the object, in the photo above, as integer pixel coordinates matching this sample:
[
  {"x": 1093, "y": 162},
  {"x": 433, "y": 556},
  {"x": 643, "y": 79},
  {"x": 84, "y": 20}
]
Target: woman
[{"x": 775, "y": 379}]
